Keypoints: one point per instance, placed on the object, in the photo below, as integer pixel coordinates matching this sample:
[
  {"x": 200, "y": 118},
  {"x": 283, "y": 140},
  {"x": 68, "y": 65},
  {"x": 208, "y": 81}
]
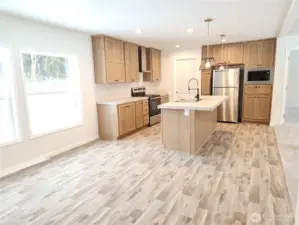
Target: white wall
[
  {"x": 19, "y": 34},
  {"x": 283, "y": 48},
  {"x": 169, "y": 70},
  {"x": 292, "y": 97}
]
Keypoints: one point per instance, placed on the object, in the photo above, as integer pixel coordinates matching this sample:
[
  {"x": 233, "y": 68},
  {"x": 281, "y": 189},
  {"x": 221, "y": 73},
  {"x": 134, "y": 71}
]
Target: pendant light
[
  {"x": 207, "y": 62},
  {"x": 223, "y": 66}
]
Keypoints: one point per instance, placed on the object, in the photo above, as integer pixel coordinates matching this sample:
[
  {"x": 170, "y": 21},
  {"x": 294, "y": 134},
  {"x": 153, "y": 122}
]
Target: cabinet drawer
[
  {"x": 145, "y": 103},
  {"x": 145, "y": 110},
  {"x": 258, "y": 89}
]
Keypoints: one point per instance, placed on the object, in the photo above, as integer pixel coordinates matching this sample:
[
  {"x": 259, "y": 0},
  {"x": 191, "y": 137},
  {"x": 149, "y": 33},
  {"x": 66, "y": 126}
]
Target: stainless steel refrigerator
[{"x": 229, "y": 83}]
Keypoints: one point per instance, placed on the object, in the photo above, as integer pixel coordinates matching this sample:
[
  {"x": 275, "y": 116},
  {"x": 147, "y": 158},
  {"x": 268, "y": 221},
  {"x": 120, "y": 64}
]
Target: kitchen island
[{"x": 186, "y": 126}]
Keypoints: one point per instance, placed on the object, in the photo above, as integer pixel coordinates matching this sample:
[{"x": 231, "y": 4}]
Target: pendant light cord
[{"x": 208, "y": 38}]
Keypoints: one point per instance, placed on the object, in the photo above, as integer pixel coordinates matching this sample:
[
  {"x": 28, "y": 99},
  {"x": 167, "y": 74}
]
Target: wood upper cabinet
[
  {"x": 109, "y": 60},
  {"x": 139, "y": 114},
  {"x": 257, "y": 102},
  {"x": 114, "y": 60},
  {"x": 131, "y": 62},
  {"x": 230, "y": 53},
  {"x": 267, "y": 53},
  {"x": 115, "y": 71},
  {"x": 153, "y": 65},
  {"x": 126, "y": 118},
  {"x": 233, "y": 53},
  {"x": 260, "y": 53},
  {"x": 206, "y": 76},
  {"x": 216, "y": 52},
  {"x": 251, "y": 54}
]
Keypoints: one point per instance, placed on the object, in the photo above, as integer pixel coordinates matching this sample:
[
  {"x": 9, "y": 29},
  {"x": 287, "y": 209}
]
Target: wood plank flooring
[{"x": 236, "y": 179}]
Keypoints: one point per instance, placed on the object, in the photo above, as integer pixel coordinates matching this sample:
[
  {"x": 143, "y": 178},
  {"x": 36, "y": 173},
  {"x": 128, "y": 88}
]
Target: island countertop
[{"x": 206, "y": 103}]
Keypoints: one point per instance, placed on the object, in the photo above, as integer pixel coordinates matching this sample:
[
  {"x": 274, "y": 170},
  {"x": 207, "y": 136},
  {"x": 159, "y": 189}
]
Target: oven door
[{"x": 153, "y": 106}]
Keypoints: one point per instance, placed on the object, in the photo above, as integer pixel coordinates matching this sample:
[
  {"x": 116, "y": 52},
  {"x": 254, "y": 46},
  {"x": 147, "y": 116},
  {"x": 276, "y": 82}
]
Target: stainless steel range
[{"x": 153, "y": 102}]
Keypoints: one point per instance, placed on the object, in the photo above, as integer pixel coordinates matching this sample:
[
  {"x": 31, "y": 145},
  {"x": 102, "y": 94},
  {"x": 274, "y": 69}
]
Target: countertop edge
[
  {"x": 121, "y": 101},
  {"x": 192, "y": 107}
]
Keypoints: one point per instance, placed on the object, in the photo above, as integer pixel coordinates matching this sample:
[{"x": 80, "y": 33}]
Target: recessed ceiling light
[
  {"x": 177, "y": 46},
  {"x": 138, "y": 31},
  {"x": 190, "y": 30}
]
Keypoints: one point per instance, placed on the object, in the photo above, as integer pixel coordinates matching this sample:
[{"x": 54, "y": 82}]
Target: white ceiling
[{"x": 164, "y": 22}]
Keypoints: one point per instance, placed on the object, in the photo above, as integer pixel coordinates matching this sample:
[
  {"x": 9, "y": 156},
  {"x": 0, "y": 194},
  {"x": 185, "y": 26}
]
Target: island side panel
[
  {"x": 176, "y": 133},
  {"x": 205, "y": 123}
]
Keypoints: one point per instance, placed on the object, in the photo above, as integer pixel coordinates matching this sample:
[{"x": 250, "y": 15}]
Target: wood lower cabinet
[
  {"x": 139, "y": 114},
  {"x": 263, "y": 107},
  {"x": 126, "y": 116},
  {"x": 257, "y": 103},
  {"x": 116, "y": 121},
  {"x": 248, "y": 107},
  {"x": 145, "y": 113},
  {"x": 206, "y": 76}
]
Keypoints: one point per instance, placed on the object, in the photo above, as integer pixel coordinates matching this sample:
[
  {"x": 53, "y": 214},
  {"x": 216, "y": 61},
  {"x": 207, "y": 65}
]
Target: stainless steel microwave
[{"x": 259, "y": 76}]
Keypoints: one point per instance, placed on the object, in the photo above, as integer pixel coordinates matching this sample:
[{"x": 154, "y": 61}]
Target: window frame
[
  {"x": 25, "y": 92},
  {"x": 14, "y": 96}
]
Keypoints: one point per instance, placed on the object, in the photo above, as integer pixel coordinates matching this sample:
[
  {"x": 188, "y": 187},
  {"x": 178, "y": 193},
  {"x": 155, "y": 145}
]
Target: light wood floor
[{"x": 237, "y": 179}]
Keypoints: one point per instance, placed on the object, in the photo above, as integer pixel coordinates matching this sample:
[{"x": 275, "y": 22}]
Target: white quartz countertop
[
  {"x": 206, "y": 103},
  {"x": 118, "y": 101}
]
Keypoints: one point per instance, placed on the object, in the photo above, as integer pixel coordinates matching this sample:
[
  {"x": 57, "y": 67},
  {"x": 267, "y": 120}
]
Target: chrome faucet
[{"x": 197, "y": 89}]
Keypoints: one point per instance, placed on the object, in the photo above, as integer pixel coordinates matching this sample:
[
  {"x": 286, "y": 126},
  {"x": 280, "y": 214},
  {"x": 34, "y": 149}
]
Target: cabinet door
[
  {"x": 158, "y": 65},
  {"x": 122, "y": 123},
  {"x": 154, "y": 64},
  {"x": 131, "y": 62},
  {"x": 216, "y": 52},
  {"x": 234, "y": 53},
  {"x": 252, "y": 54},
  {"x": 130, "y": 117},
  {"x": 114, "y": 54},
  {"x": 249, "y": 103},
  {"x": 134, "y": 63},
  {"x": 263, "y": 107},
  {"x": 143, "y": 59},
  {"x": 204, "y": 51},
  {"x": 139, "y": 114},
  {"x": 128, "y": 74},
  {"x": 206, "y": 82},
  {"x": 267, "y": 53}
]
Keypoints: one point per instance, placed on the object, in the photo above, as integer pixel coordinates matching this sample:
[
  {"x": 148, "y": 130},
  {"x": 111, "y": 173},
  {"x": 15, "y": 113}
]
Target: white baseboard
[{"x": 45, "y": 158}]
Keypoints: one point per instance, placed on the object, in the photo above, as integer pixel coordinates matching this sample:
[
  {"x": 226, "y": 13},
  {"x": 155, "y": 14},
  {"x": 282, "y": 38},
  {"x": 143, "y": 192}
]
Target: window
[
  {"x": 8, "y": 131},
  {"x": 52, "y": 88}
]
